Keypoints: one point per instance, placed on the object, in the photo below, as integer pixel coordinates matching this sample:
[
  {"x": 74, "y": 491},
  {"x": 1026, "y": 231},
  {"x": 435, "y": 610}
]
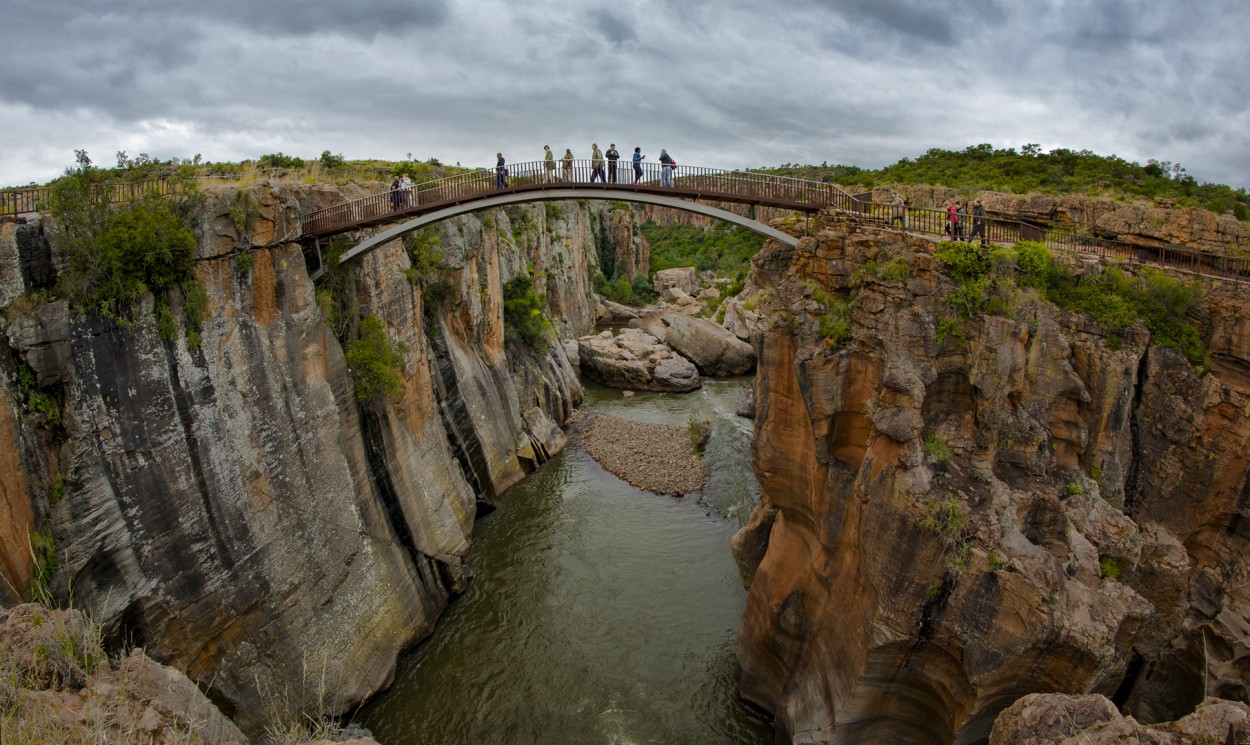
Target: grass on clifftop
[
  {"x": 1114, "y": 299},
  {"x": 1029, "y": 170}
]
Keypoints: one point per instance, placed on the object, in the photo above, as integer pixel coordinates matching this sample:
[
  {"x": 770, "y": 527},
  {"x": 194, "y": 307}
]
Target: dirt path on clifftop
[{"x": 655, "y": 457}]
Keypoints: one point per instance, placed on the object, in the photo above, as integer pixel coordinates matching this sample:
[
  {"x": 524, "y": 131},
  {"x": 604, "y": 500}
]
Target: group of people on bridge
[
  {"x": 957, "y": 213},
  {"x": 598, "y": 159}
]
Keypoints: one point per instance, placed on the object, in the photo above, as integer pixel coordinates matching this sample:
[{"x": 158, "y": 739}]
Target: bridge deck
[{"x": 683, "y": 182}]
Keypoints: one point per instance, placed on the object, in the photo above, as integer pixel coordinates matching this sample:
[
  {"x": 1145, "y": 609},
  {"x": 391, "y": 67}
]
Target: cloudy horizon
[{"x": 729, "y": 84}]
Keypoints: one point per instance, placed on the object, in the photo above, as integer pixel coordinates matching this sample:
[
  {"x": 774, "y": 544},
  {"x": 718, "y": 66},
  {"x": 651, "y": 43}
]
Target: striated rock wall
[
  {"x": 947, "y": 526},
  {"x": 231, "y": 507}
]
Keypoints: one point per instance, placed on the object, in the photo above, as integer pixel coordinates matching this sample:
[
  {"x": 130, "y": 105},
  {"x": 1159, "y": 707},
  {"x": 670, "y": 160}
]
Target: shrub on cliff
[
  {"x": 116, "y": 253},
  {"x": 523, "y": 316},
  {"x": 1117, "y": 301},
  {"x": 376, "y": 365}
]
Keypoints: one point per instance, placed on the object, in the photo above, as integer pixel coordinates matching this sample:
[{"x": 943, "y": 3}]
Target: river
[{"x": 599, "y": 613}]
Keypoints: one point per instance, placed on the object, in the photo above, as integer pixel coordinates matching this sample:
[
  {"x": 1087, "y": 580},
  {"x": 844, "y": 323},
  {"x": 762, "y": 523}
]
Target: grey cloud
[{"x": 614, "y": 28}]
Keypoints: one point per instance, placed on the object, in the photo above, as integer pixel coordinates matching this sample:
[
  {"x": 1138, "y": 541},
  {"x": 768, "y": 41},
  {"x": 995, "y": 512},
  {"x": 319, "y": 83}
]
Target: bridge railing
[
  {"x": 1002, "y": 231},
  {"x": 39, "y": 198},
  {"x": 691, "y": 181}
]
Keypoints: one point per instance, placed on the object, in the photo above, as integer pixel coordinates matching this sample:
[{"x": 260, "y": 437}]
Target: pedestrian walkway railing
[
  {"x": 1008, "y": 232},
  {"x": 31, "y": 199},
  {"x": 686, "y": 181}
]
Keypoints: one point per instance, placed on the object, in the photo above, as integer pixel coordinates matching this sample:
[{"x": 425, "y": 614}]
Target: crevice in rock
[
  {"x": 466, "y": 446},
  {"x": 1135, "y": 665},
  {"x": 933, "y": 610},
  {"x": 1134, "y": 464},
  {"x": 380, "y": 475},
  {"x": 183, "y": 404}
]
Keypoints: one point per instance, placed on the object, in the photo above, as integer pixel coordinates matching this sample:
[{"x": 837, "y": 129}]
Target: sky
[{"x": 719, "y": 83}]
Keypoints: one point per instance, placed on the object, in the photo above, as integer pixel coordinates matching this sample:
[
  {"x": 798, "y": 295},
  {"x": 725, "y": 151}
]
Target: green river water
[{"x": 599, "y": 613}]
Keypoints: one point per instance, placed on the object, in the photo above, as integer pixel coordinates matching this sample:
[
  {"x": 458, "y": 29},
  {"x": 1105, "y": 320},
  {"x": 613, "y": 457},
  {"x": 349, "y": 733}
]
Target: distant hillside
[{"x": 983, "y": 168}]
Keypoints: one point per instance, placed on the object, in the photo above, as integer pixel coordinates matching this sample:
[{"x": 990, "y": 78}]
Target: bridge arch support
[{"x": 547, "y": 195}]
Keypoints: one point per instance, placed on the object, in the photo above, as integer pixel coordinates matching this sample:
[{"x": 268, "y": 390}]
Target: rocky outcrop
[
  {"x": 1191, "y": 227},
  {"x": 231, "y": 506},
  {"x": 714, "y": 351},
  {"x": 57, "y": 684},
  {"x": 1054, "y": 719},
  {"x": 634, "y": 359},
  {"x": 631, "y": 253},
  {"x": 683, "y": 278},
  {"x": 947, "y": 526}
]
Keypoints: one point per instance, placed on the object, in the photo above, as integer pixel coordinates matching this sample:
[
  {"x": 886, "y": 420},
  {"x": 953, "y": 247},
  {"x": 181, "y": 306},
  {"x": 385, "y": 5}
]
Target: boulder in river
[
  {"x": 713, "y": 349},
  {"x": 635, "y": 359}
]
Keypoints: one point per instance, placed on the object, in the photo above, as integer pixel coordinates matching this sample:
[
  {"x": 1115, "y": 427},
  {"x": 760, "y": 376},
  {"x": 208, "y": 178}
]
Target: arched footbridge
[{"x": 686, "y": 188}]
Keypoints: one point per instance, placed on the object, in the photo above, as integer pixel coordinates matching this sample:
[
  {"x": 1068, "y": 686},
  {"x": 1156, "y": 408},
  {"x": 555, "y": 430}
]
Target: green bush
[
  {"x": 937, "y": 450},
  {"x": 643, "y": 290},
  {"x": 700, "y": 430},
  {"x": 523, "y": 315},
  {"x": 1108, "y": 568},
  {"x": 118, "y": 253},
  {"x": 722, "y": 248},
  {"x": 330, "y": 161},
  {"x": 376, "y": 365},
  {"x": 946, "y": 519},
  {"x": 278, "y": 160},
  {"x": 37, "y": 401}
]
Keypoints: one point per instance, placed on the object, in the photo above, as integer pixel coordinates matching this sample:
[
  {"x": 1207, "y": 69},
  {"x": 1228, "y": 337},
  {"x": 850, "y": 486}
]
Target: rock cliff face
[
  {"x": 947, "y": 526},
  {"x": 231, "y": 507}
]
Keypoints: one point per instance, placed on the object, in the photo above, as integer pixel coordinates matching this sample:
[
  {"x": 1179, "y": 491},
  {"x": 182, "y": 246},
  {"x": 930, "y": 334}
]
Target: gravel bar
[{"x": 655, "y": 457}]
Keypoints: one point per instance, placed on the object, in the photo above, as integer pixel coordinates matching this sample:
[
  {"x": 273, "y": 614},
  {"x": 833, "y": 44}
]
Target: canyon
[{"x": 235, "y": 510}]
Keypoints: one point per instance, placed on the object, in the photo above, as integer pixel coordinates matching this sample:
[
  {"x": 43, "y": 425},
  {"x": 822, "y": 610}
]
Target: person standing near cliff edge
[
  {"x": 568, "y": 164},
  {"x": 549, "y": 163},
  {"x": 501, "y": 172},
  {"x": 638, "y": 156}
]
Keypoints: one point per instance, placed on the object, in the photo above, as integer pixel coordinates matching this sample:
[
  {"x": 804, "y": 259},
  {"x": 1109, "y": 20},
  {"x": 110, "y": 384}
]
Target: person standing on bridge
[
  {"x": 568, "y": 164},
  {"x": 900, "y": 210},
  {"x": 667, "y": 164},
  {"x": 962, "y": 215},
  {"x": 952, "y": 219},
  {"x": 501, "y": 173},
  {"x": 638, "y": 157},
  {"x": 596, "y": 163},
  {"x": 395, "y": 193},
  {"x": 978, "y": 223},
  {"x": 613, "y": 156},
  {"x": 549, "y": 163},
  {"x": 405, "y": 187}
]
